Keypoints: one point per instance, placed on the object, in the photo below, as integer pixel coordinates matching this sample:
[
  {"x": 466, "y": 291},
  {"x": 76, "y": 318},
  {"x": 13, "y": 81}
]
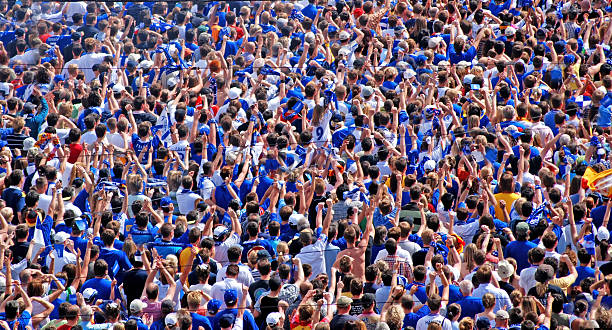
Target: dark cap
[
  {"x": 167, "y": 306},
  {"x": 19, "y": 32},
  {"x": 227, "y": 320},
  {"x": 75, "y": 36}
]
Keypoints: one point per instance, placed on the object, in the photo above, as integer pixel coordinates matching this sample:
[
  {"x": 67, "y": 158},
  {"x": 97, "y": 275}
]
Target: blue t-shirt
[
  {"x": 470, "y": 306},
  {"x": 583, "y": 272},
  {"x": 519, "y": 250},
  {"x": 102, "y": 285},
  {"x": 117, "y": 260},
  {"x": 198, "y": 320}
]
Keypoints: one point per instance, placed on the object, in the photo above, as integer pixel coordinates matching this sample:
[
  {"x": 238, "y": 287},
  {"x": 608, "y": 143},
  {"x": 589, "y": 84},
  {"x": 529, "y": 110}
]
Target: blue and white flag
[{"x": 537, "y": 213}]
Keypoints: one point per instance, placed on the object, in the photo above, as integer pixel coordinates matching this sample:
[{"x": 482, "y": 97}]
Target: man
[
  {"x": 136, "y": 311},
  {"x": 12, "y": 310},
  {"x": 549, "y": 241},
  {"x": 393, "y": 257},
  {"x": 313, "y": 253},
  {"x": 368, "y": 315},
  {"x": 484, "y": 276},
  {"x": 470, "y": 305},
  {"x": 507, "y": 194},
  {"x": 434, "y": 302},
  {"x": 231, "y": 298},
  {"x": 519, "y": 249},
  {"x": 117, "y": 260},
  {"x": 344, "y": 307},
  {"x": 501, "y": 319},
  {"x": 193, "y": 303},
  {"x": 527, "y": 275},
  {"x": 229, "y": 282},
  {"x": 233, "y": 255},
  {"x": 13, "y": 195},
  {"x": 135, "y": 279},
  {"x": 99, "y": 282},
  {"x": 357, "y": 251},
  {"x": 63, "y": 252},
  {"x": 72, "y": 318}
]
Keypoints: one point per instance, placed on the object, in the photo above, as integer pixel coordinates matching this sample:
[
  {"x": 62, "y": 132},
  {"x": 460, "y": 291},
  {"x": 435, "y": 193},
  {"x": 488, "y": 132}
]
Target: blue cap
[
  {"x": 421, "y": 59},
  {"x": 230, "y": 296},
  {"x": 164, "y": 202},
  {"x": 213, "y": 306},
  {"x": 569, "y": 59},
  {"x": 58, "y": 78},
  {"x": 227, "y": 320}
]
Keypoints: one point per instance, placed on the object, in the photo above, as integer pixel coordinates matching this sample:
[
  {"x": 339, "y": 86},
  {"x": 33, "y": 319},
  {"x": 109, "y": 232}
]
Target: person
[
  {"x": 343, "y": 316},
  {"x": 417, "y": 152}
]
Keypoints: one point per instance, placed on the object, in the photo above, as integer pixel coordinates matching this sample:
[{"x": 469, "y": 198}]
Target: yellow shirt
[{"x": 509, "y": 198}]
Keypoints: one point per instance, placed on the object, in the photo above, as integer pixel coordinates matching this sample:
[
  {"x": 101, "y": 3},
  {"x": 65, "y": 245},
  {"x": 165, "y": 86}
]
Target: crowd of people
[{"x": 305, "y": 164}]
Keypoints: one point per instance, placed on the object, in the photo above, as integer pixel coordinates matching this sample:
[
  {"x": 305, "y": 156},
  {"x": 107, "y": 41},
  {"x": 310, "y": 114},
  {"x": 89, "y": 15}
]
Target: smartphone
[{"x": 475, "y": 87}]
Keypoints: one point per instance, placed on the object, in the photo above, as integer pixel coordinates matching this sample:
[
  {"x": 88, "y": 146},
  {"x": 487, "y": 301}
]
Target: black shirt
[
  {"x": 19, "y": 250},
  {"x": 89, "y": 31},
  {"x": 339, "y": 320},
  {"x": 133, "y": 284},
  {"x": 312, "y": 210},
  {"x": 506, "y": 287},
  {"x": 543, "y": 298},
  {"x": 257, "y": 288},
  {"x": 356, "y": 307},
  {"x": 267, "y": 305}
]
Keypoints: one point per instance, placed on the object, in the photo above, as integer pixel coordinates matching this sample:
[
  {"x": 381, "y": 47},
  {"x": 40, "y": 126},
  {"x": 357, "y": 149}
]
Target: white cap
[
  {"x": 234, "y": 93},
  {"x": 118, "y": 88},
  {"x": 137, "y": 305},
  {"x": 219, "y": 231},
  {"x": 434, "y": 42},
  {"x": 603, "y": 233},
  {"x": 510, "y": 31},
  {"x": 344, "y": 35},
  {"x": 133, "y": 57},
  {"x": 273, "y": 318},
  {"x": 145, "y": 64},
  {"x": 171, "y": 320},
  {"x": 294, "y": 219},
  {"x": 61, "y": 237},
  {"x": 429, "y": 165},
  {"x": 467, "y": 79},
  {"x": 409, "y": 74},
  {"x": 28, "y": 143},
  {"x": 89, "y": 293}
]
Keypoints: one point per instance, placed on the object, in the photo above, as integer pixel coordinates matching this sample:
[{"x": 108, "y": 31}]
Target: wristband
[{"x": 538, "y": 187}]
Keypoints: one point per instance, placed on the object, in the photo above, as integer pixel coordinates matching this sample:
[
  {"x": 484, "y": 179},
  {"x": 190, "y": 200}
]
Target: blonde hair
[
  {"x": 395, "y": 317},
  {"x": 468, "y": 255},
  {"x": 134, "y": 183}
]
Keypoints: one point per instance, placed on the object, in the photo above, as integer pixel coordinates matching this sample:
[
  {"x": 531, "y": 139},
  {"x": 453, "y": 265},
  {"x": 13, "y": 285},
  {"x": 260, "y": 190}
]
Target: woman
[
  {"x": 380, "y": 236},
  {"x": 543, "y": 275},
  {"x": 488, "y": 301},
  {"x": 453, "y": 313},
  {"x": 468, "y": 260}
]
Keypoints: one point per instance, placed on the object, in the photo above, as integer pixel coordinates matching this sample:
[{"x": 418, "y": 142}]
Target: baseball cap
[
  {"x": 510, "y": 31},
  {"x": 230, "y": 296},
  {"x": 344, "y": 301},
  {"x": 164, "y": 202},
  {"x": 467, "y": 79},
  {"x": 504, "y": 269},
  {"x": 344, "y": 35},
  {"x": 294, "y": 219},
  {"x": 227, "y": 320},
  {"x": 90, "y": 294},
  {"x": 19, "y": 32},
  {"x": 137, "y": 305},
  {"x": 219, "y": 231},
  {"x": 483, "y": 323},
  {"x": 502, "y": 315},
  {"x": 61, "y": 237},
  {"x": 75, "y": 36},
  {"x": 367, "y": 91},
  {"x": 118, "y": 88},
  {"x": 429, "y": 165},
  {"x": 603, "y": 233},
  {"x": 273, "y": 318},
  {"x": 171, "y": 320},
  {"x": 263, "y": 254},
  {"x": 522, "y": 228},
  {"x": 213, "y": 306},
  {"x": 234, "y": 93},
  {"x": 28, "y": 143}
]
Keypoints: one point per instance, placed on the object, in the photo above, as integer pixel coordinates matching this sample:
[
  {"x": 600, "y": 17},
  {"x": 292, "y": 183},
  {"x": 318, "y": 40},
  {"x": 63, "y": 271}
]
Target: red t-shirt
[{"x": 75, "y": 151}]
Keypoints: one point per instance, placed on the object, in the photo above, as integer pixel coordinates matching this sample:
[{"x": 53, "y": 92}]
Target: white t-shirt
[{"x": 321, "y": 133}]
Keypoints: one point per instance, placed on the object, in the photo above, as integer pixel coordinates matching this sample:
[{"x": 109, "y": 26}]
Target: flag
[
  {"x": 199, "y": 104},
  {"x": 534, "y": 218},
  {"x": 164, "y": 122},
  {"x": 39, "y": 238}
]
